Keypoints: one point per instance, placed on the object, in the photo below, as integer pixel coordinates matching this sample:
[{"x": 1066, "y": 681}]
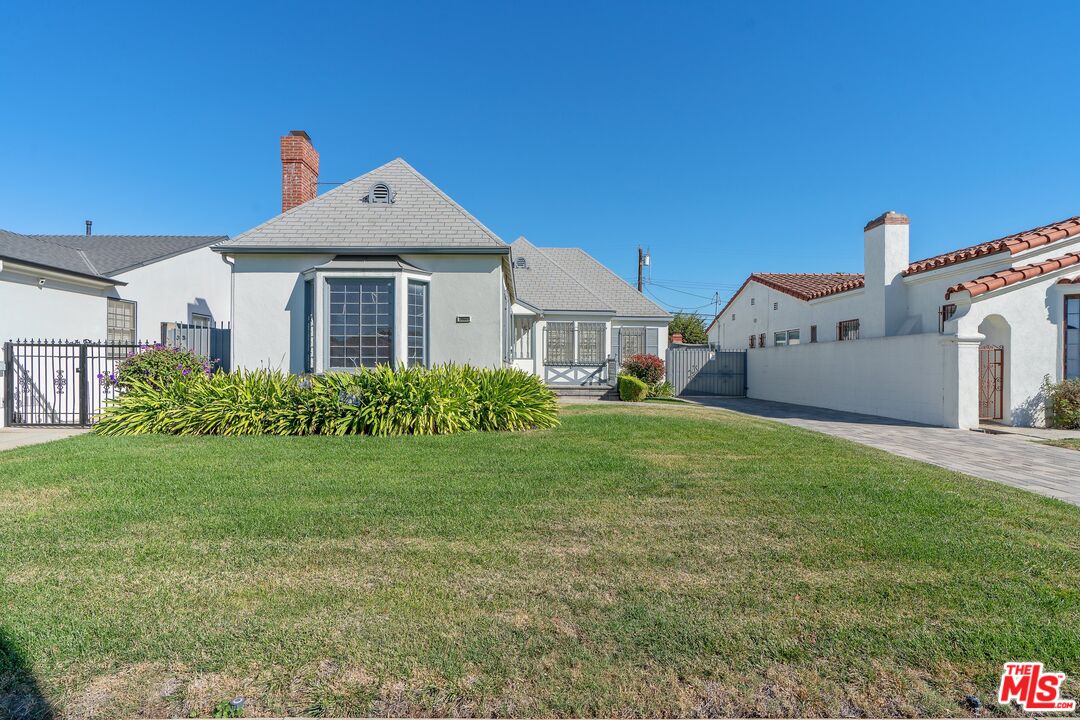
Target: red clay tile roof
[
  {"x": 1036, "y": 237},
  {"x": 1009, "y": 277},
  {"x": 1070, "y": 281},
  {"x": 804, "y": 286}
]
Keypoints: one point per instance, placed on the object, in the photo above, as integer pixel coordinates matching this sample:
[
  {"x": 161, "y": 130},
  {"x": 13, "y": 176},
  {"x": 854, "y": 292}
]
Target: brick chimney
[{"x": 299, "y": 170}]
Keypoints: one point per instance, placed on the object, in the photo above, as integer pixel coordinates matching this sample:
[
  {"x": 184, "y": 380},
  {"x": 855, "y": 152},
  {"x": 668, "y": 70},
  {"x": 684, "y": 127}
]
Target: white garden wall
[{"x": 900, "y": 377}]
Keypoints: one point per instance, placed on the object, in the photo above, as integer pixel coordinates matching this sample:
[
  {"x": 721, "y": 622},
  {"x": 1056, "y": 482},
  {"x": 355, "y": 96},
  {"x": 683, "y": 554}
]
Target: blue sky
[{"x": 726, "y": 137}]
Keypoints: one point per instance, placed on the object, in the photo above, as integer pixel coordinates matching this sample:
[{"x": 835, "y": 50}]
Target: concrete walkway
[
  {"x": 11, "y": 438},
  {"x": 1010, "y": 459}
]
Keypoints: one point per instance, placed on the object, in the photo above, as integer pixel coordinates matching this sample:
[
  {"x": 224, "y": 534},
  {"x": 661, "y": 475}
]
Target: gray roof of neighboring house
[
  {"x": 114, "y": 254},
  {"x": 421, "y": 216},
  {"x": 565, "y": 279},
  {"x": 32, "y": 251}
]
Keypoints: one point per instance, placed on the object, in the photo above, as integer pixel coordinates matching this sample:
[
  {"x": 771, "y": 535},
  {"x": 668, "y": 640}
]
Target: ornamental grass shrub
[
  {"x": 645, "y": 367},
  {"x": 631, "y": 389},
  {"x": 382, "y": 401}
]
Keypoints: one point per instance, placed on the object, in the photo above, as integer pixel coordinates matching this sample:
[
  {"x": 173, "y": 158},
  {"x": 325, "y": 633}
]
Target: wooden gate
[
  {"x": 991, "y": 382},
  {"x": 696, "y": 370}
]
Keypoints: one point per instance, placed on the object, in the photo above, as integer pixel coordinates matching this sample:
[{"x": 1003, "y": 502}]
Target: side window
[{"x": 120, "y": 321}]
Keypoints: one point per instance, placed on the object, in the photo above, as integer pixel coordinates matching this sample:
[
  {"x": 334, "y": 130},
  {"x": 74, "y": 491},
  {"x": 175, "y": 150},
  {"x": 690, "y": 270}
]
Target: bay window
[
  {"x": 361, "y": 327},
  {"x": 418, "y": 322}
]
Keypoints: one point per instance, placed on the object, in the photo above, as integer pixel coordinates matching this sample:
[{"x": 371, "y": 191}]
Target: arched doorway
[{"x": 994, "y": 370}]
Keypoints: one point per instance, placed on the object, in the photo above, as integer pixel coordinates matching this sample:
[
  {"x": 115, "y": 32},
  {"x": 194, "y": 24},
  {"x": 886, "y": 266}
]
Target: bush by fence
[
  {"x": 631, "y": 389},
  {"x": 383, "y": 401},
  {"x": 647, "y": 368},
  {"x": 1064, "y": 404}
]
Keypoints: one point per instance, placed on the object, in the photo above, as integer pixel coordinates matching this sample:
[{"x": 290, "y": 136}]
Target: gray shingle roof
[
  {"x": 114, "y": 254},
  {"x": 421, "y": 216},
  {"x": 34, "y": 251},
  {"x": 565, "y": 278}
]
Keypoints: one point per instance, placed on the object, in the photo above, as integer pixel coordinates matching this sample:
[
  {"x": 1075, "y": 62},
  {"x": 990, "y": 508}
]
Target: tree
[{"x": 692, "y": 328}]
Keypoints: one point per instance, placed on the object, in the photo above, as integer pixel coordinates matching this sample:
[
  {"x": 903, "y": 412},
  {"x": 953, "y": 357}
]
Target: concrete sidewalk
[
  {"x": 1009, "y": 459},
  {"x": 11, "y": 438}
]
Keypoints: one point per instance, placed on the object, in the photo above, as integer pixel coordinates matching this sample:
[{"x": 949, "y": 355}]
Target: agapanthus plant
[{"x": 157, "y": 363}]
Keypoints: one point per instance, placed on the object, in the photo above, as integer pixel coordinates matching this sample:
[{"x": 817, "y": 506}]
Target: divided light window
[
  {"x": 944, "y": 315},
  {"x": 559, "y": 343},
  {"x": 590, "y": 343},
  {"x": 361, "y": 323},
  {"x": 523, "y": 338},
  {"x": 1072, "y": 336},
  {"x": 786, "y": 337},
  {"x": 418, "y": 323},
  {"x": 847, "y": 330},
  {"x": 120, "y": 321}
]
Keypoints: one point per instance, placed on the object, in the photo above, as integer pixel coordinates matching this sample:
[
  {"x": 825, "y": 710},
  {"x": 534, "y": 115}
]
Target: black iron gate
[
  {"x": 694, "y": 370},
  {"x": 53, "y": 382},
  {"x": 991, "y": 382}
]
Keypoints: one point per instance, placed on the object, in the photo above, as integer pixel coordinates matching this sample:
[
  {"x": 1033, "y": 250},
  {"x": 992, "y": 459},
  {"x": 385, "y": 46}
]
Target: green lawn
[
  {"x": 1070, "y": 444},
  {"x": 656, "y": 560}
]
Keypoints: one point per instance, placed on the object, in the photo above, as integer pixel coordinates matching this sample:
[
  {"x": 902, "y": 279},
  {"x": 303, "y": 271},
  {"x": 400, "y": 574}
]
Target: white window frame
[
  {"x": 401, "y": 278},
  {"x": 110, "y": 333},
  {"x": 783, "y": 338}
]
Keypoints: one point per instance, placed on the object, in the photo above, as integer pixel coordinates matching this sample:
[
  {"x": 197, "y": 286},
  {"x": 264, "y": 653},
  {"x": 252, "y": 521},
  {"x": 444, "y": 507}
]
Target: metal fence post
[
  {"x": 9, "y": 383},
  {"x": 84, "y": 388}
]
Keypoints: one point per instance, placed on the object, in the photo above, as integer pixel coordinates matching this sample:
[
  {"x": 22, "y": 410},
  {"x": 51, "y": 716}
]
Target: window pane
[
  {"x": 120, "y": 321},
  {"x": 361, "y": 323},
  {"x": 1072, "y": 337},
  {"x": 417, "y": 323},
  {"x": 559, "y": 343},
  {"x": 792, "y": 337},
  {"x": 590, "y": 343},
  {"x": 780, "y": 338},
  {"x": 523, "y": 337},
  {"x": 632, "y": 342}
]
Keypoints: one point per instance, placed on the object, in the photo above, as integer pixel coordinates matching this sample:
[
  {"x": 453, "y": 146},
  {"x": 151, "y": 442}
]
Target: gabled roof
[
  {"x": 998, "y": 280},
  {"x": 114, "y": 254},
  {"x": 565, "y": 279},
  {"x": 543, "y": 284},
  {"x": 1015, "y": 243},
  {"x": 420, "y": 217},
  {"x": 804, "y": 286}
]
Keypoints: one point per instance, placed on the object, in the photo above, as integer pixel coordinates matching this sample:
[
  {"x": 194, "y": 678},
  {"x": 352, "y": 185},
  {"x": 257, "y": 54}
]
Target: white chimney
[{"x": 885, "y": 258}]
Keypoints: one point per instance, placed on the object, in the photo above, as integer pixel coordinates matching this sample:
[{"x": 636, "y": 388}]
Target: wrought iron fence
[{"x": 67, "y": 382}]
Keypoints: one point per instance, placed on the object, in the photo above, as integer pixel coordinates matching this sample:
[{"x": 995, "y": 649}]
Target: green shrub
[
  {"x": 647, "y": 368},
  {"x": 414, "y": 401},
  {"x": 156, "y": 364},
  {"x": 662, "y": 390},
  {"x": 632, "y": 389},
  {"x": 1064, "y": 404}
]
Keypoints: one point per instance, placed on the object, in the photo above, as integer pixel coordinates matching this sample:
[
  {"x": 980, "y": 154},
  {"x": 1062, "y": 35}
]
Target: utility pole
[{"x": 640, "y": 265}]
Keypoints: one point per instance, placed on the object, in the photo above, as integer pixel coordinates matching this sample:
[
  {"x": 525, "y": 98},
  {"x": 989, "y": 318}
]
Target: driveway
[
  {"x": 11, "y": 438},
  {"x": 1009, "y": 459}
]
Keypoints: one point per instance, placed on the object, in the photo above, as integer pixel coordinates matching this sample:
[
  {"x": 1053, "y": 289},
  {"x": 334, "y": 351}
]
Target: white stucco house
[
  {"x": 954, "y": 340},
  {"x": 573, "y": 315},
  {"x": 108, "y": 287},
  {"x": 388, "y": 269}
]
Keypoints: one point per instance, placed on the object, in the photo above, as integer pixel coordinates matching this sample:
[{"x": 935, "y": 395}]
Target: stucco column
[{"x": 961, "y": 380}]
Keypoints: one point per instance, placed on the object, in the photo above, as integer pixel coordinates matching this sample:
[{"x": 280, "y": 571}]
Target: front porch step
[{"x": 595, "y": 392}]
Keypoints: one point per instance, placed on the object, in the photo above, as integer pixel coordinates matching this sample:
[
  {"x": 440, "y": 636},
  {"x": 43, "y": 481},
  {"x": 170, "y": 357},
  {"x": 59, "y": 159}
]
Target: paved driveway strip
[
  {"x": 11, "y": 438},
  {"x": 1008, "y": 459}
]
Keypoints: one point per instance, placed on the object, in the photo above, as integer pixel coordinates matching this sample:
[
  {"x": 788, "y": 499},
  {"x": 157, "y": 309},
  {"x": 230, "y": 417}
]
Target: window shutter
[
  {"x": 652, "y": 341},
  {"x": 618, "y": 346}
]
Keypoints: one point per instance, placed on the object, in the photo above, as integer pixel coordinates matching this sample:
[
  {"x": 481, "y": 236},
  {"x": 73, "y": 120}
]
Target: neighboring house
[
  {"x": 108, "y": 287},
  {"x": 961, "y": 337},
  {"x": 572, "y": 314}
]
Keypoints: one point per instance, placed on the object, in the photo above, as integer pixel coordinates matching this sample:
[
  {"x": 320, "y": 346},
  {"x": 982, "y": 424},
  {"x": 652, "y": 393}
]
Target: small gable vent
[
  {"x": 380, "y": 194},
  {"x": 520, "y": 263}
]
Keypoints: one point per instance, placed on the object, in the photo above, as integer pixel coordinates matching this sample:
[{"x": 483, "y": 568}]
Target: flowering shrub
[
  {"x": 1064, "y": 404},
  {"x": 647, "y": 368},
  {"x": 156, "y": 364}
]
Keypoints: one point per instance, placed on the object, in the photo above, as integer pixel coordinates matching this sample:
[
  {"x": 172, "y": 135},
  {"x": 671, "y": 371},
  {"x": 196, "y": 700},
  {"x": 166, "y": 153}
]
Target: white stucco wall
[
  {"x": 743, "y": 318},
  {"x": 900, "y": 377},
  {"x": 57, "y": 310},
  {"x": 268, "y": 308},
  {"x": 173, "y": 289}
]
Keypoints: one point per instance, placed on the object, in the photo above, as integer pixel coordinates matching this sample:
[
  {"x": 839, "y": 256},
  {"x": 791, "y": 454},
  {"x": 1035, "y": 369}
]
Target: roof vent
[
  {"x": 520, "y": 263},
  {"x": 380, "y": 194}
]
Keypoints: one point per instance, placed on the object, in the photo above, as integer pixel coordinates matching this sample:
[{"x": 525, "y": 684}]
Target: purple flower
[
  {"x": 100, "y": 376},
  {"x": 185, "y": 371}
]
